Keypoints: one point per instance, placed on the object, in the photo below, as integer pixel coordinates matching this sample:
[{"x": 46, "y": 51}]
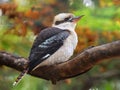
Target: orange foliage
[
  {"x": 86, "y": 37},
  {"x": 111, "y": 35},
  {"x": 116, "y": 2},
  {"x": 40, "y": 12},
  {"x": 8, "y": 6},
  {"x": 116, "y": 34},
  {"x": 107, "y": 35},
  {"x": 33, "y": 14},
  {"x": 9, "y": 9}
]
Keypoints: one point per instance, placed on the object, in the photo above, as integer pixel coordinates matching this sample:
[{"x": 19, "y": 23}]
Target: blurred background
[{"x": 22, "y": 20}]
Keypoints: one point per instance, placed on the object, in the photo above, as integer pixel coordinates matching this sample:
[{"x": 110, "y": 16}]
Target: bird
[{"x": 53, "y": 45}]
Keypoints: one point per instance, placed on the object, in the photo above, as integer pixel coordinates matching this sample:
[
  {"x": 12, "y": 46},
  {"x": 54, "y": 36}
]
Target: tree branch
[{"x": 78, "y": 65}]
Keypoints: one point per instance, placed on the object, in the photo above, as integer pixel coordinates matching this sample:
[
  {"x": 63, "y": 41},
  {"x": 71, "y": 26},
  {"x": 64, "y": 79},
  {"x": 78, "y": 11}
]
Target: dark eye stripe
[
  {"x": 59, "y": 22},
  {"x": 65, "y": 20}
]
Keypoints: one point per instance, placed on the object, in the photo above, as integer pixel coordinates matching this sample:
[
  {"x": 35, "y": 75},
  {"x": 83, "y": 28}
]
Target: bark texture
[{"x": 83, "y": 62}]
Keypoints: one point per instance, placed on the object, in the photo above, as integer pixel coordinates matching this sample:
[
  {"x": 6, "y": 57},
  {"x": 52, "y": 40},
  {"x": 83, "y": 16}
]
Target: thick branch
[{"x": 79, "y": 64}]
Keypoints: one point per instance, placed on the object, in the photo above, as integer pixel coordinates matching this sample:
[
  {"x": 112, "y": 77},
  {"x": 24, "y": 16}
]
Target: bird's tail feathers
[{"x": 18, "y": 79}]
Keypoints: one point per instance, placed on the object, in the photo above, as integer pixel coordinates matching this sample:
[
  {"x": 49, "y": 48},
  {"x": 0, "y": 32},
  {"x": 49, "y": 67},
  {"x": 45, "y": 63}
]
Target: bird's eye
[{"x": 66, "y": 19}]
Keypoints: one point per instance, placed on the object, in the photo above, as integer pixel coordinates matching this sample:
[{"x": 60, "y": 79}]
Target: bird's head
[{"x": 66, "y": 20}]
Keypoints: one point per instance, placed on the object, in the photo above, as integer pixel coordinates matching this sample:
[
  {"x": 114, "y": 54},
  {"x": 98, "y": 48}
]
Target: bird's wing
[{"x": 47, "y": 43}]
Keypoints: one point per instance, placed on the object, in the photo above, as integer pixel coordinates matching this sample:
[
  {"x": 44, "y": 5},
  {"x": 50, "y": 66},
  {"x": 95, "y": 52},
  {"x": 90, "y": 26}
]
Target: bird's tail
[{"x": 18, "y": 79}]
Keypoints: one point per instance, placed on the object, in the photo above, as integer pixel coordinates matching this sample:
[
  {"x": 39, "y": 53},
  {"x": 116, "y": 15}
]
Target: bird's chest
[
  {"x": 71, "y": 41},
  {"x": 70, "y": 44}
]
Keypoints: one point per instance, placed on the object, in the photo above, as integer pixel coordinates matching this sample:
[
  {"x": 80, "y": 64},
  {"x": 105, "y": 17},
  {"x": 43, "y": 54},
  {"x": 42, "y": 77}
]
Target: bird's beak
[{"x": 76, "y": 19}]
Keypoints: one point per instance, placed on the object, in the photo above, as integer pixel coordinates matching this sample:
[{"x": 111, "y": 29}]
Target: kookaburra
[{"x": 53, "y": 45}]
